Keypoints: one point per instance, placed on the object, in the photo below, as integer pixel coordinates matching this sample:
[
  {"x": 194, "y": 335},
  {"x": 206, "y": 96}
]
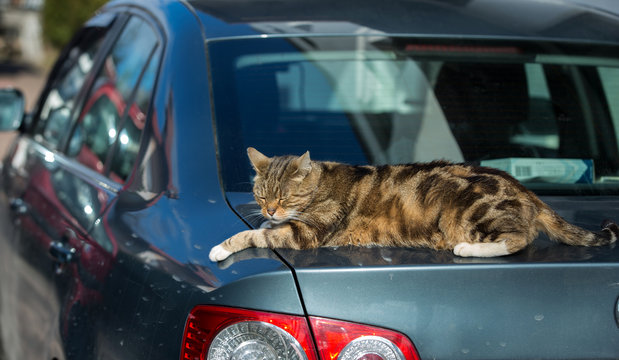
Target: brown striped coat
[{"x": 472, "y": 210}]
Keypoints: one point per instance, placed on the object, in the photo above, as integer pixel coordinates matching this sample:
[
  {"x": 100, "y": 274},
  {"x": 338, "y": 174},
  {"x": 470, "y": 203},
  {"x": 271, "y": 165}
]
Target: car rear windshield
[{"x": 547, "y": 113}]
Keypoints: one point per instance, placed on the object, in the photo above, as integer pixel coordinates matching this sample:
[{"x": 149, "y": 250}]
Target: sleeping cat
[{"x": 474, "y": 211}]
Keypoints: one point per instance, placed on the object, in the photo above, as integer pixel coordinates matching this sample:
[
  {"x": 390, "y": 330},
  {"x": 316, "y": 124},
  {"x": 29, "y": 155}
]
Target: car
[{"x": 132, "y": 165}]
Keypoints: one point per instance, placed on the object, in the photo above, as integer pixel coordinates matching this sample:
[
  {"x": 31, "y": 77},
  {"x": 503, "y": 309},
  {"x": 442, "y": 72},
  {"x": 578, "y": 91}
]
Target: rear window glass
[{"x": 546, "y": 113}]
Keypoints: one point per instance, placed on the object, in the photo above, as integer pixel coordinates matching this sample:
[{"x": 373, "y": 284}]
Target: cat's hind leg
[
  {"x": 465, "y": 249},
  {"x": 505, "y": 244}
]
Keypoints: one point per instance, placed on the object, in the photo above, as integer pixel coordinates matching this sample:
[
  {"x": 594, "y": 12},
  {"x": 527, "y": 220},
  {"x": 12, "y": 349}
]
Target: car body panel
[
  {"x": 485, "y": 311},
  {"x": 549, "y": 301},
  {"x": 142, "y": 259},
  {"x": 50, "y": 219}
]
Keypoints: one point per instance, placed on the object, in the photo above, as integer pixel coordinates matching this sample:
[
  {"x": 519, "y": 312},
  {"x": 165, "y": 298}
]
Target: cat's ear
[
  {"x": 304, "y": 166},
  {"x": 259, "y": 161}
]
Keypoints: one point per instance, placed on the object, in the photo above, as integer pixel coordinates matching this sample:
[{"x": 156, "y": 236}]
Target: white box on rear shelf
[{"x": 561, "y": 171}]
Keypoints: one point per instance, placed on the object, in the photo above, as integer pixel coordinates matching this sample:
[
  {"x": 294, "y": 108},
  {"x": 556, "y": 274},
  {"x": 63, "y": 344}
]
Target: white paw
[
  {"x": 464, "y": 249},
  {"x": 218, "y": 253},
  {"x": 498, "y": 248}
]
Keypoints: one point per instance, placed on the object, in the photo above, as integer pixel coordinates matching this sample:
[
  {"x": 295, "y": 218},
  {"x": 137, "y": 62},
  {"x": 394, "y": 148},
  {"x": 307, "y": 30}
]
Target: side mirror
[{"x": 12, "y": 109}]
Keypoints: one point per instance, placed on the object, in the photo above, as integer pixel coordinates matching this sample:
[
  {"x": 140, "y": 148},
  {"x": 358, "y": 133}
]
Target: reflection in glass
[
  {"x": 108, "y": 133},
  {"x": 526, "y": 108},
  {"x": 52, "y": 125}
]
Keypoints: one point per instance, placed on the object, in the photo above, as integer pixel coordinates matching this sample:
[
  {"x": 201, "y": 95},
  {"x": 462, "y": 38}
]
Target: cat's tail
[{"x": 560, "y": 230}]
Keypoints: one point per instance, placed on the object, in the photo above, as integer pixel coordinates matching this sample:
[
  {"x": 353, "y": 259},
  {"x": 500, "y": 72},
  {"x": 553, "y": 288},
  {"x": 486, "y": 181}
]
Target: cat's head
[{"x": 283, "y": 186}]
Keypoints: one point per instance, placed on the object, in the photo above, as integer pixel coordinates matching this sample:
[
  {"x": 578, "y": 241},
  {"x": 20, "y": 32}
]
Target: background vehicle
[{"x": 132, "y": 166}]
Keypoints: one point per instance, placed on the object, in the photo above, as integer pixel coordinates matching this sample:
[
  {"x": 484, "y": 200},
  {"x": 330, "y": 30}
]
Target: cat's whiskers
[{"x": 254, "y": 216}]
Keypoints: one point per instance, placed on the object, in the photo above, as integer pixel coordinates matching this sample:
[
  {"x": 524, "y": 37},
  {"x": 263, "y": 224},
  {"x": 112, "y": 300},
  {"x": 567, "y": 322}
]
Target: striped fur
[{"x": 474, "y": 211}]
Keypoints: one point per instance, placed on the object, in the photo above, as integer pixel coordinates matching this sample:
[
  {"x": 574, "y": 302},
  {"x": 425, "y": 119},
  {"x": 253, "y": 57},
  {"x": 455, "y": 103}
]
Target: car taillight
[
  {"x": 222, "y": 333},
  {"x": 350, "y": 341},
  {"x": 218, "y": 333}
]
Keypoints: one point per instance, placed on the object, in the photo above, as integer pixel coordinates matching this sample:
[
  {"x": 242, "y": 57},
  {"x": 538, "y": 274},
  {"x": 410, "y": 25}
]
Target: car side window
[
  {"x": 114, "y": 112},
  {"x": 55, "y": 115},
  {"x": 128, "y": 142}
]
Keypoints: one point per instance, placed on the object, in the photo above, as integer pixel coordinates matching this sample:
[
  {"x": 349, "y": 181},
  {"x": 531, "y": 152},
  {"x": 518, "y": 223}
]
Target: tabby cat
[{"x": 474, "y": 211}]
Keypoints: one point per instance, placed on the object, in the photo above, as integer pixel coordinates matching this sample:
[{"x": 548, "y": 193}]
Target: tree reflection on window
[{"x": 107, "y": 135}]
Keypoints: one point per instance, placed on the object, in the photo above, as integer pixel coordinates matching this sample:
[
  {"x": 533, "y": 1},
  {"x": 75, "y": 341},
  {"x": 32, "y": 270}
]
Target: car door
[
  {"x": 104, "y": 143},
  {"x": 79, "y": 156}
]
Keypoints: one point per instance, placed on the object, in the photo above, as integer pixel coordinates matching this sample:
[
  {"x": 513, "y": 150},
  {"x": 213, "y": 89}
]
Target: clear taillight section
[
  {"x": 217, "y": 333},
  {"x": 342, "y": 340},
  {"x": 222, "y": 333}
]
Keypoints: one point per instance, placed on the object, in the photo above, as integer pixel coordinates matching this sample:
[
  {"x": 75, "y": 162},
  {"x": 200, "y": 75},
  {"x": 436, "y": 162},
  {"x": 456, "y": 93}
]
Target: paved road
[
  {"x": 30, "y": 81},
  {"x": 22, "y": 74}
]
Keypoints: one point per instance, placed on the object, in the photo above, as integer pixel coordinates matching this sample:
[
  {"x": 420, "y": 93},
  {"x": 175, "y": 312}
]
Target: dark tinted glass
[
  {"x": 107, "y": 135},
  {"x": 543, "y": 112},
  {"x": 58, "y": 106}
]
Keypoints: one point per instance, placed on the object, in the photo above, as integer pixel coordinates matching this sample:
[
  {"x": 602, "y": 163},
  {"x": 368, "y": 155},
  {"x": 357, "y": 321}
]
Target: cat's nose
[{"x": 270, "y": 211}]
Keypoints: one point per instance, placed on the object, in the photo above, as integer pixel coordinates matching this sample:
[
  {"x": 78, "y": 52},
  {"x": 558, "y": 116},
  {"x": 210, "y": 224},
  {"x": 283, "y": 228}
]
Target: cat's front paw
[{"x": 218, "y": 253}]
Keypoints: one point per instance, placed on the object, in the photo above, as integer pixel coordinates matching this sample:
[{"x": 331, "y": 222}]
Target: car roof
[{"x": 554, "y": 20}]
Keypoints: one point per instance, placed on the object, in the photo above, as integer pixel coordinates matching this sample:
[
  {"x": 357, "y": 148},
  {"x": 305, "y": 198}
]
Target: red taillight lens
[
  {"x": 343, "y": 341},
  {"x": 243, "y": 333},
  {"x": 222, "y": 333}
]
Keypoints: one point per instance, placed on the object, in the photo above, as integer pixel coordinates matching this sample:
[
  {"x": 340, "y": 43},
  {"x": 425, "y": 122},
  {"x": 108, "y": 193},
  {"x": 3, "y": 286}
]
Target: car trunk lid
[{"x": 548, "y": 301}]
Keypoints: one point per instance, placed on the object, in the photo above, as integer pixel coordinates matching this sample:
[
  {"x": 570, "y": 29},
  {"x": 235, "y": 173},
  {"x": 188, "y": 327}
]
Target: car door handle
[
  {"x": 62, "y": 251},
  {"x": 62, "y": 254}
]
